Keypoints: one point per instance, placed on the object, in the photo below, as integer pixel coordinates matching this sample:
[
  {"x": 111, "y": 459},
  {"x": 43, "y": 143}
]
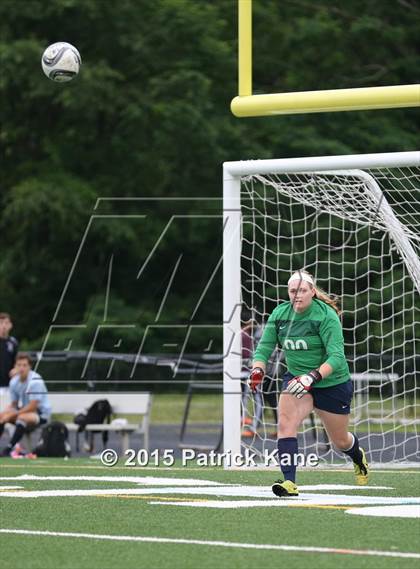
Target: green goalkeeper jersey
[{"x": 308, "y": 339}]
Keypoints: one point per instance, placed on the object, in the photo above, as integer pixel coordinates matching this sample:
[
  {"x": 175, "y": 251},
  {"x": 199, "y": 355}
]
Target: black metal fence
[{"x": 76, "y": 370}]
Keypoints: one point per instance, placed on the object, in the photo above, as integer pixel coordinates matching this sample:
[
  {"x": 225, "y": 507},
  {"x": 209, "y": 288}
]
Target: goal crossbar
[
  {"x": 365, "y": 98},
  {"x": 319, "y": 163}
]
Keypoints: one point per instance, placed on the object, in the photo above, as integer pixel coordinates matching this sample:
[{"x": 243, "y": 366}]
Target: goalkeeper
[{"x": 308, "y": 330}]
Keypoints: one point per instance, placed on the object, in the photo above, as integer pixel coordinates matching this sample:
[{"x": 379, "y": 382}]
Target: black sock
[
  {"x": 288, "y": 449},
  {"x": 354, "y": 451},
  {"x": 18, "y": 434}
]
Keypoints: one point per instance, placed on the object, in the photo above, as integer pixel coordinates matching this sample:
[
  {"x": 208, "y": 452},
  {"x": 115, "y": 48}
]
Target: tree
[{"x": 149, "y": 116}]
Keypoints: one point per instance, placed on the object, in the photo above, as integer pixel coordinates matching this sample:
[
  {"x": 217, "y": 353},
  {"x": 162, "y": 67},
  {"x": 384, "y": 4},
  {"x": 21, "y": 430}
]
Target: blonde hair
[{"x": 321, "y": 295}]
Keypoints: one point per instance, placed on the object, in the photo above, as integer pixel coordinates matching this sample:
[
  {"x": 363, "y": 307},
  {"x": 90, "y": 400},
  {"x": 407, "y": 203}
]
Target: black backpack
[
  {"x": 99, "y": 412},
  {"x": 54, "y": 440}
]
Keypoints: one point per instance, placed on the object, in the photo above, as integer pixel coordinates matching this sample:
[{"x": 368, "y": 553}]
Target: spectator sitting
[
  {"x": 29, "y": 405},
  {"x": 8, "y": 350}
]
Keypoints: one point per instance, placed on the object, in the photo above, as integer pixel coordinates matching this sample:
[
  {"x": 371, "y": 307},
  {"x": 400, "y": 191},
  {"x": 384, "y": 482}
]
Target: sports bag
[
  {"x": 99, "y": 412},
  {"x": 54, "y": 440}
]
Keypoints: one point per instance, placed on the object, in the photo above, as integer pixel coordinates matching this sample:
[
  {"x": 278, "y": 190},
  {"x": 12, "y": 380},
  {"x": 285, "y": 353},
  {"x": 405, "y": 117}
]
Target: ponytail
[{"x": 332, "y": 301}]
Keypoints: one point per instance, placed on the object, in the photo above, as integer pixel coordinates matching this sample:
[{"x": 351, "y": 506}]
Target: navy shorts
[{"x": 334, "y": 399}]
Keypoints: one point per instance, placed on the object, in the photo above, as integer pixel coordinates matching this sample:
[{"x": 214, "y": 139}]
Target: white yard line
[
  {"x": 231, "y": 544},
  {"x": 41, "y": 463},
  {"x": 255, "y": 495},
  {"x": 147, "y": 480}
]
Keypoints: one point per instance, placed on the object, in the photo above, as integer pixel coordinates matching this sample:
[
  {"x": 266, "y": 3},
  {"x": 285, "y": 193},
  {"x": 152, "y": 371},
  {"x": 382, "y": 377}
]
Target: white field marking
[
  {"x": 146, "y": 480},
  {"x": 409, "y": 511},
  {"x": 264, "y": 493},
  {"x": 232, "y": 544},
  {"x": 296, "y": 502},
  {"x": 157, "y": 481},
  {"x": 40, "y": 463},
  {"x": 3, "y": 488},
  {"x": 234, "y": 505}
]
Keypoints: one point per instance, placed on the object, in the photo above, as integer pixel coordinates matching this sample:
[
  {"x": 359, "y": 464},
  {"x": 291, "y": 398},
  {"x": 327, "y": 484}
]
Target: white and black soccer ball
[{"x": 61, "y": 62}]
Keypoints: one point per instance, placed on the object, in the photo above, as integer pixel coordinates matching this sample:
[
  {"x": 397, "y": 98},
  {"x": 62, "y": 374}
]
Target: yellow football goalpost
[
  {"x": 346, "y": 188},
  {"x": 367, "y": 98}
]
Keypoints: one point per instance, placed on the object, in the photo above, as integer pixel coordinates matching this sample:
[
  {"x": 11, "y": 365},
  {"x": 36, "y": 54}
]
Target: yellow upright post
[
  {"x": 245, "y": 47},
  {"x": 365, "y": 98}
]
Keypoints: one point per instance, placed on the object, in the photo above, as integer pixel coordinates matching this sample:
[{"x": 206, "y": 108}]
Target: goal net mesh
[{"x": 358, "y": 233}]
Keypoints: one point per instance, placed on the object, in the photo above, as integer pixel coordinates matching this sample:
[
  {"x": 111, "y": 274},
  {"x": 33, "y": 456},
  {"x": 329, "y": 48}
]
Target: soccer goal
[{"x": 354, "y": 223}]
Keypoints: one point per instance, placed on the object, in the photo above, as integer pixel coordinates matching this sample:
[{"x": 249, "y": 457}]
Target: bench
[{"x": 131, "y": 403}]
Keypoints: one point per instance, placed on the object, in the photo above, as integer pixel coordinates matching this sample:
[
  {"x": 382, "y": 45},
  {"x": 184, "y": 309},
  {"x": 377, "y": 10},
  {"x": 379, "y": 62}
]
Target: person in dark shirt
[{"x": 8, "y": 349}]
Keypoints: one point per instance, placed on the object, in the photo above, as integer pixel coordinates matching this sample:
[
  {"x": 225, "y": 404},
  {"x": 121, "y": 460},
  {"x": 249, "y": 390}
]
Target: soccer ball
[{"x": 61, "y": 62}]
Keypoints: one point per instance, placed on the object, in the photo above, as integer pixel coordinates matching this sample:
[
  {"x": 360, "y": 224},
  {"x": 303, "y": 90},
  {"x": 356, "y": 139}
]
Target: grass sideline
[{"x": 296, "y": 527}]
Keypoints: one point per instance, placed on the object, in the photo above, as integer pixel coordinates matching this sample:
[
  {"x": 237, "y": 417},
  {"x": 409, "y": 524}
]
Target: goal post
[
  {"x": 231, "y": 313},
  {"x": 354, "y": 222},
  {"x": 246, "y": 104}
]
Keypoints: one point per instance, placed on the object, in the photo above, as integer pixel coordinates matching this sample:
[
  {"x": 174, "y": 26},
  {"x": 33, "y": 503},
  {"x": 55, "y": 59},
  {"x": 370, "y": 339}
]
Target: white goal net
[{"x": 354, "y": 223}]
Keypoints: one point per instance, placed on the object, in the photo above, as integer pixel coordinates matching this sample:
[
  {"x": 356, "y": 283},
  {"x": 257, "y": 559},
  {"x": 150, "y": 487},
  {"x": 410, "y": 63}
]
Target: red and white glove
[
  {"x": 255, "y": 378},
  {"x": 300, "y": 385}
]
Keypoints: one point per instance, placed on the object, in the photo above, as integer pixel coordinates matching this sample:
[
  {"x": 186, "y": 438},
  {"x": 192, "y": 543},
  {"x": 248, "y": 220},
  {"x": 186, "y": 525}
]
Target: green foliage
[{"x": 149, "y": 116}]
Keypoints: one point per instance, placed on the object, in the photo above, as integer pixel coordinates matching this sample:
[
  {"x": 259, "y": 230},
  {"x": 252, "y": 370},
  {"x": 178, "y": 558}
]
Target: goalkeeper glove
[
  {"x": 300, "y": 385},
  {"x": 256, "y": 377}
]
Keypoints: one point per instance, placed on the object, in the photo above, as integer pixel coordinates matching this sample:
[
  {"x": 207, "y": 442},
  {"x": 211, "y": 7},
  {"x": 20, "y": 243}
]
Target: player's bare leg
[
  {"x": 9, "y": 415},
  {"x": 22, "y": 421},
  {"x": 337, "y": 427}
]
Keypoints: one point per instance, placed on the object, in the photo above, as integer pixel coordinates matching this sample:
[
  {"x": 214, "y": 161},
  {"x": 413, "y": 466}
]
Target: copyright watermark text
[{"x": 190, "y": 457}]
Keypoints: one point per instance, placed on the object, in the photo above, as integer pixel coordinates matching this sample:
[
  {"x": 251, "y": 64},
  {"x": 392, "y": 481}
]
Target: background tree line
[{"x": 149, "y": 117}]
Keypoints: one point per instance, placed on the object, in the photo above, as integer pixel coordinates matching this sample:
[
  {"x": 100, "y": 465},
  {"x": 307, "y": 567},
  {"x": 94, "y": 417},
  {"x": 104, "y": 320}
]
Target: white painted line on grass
[
  {"x": 161, "y": 481},
  {"x": 87, "y": 464},
  {"x": 232, "y": 544},
  {"x": 408, "y": 511},
  {"x": 285, "y": 502},
  {"x": 147, "y": 480},
  {"x": 254, "y": 494}
]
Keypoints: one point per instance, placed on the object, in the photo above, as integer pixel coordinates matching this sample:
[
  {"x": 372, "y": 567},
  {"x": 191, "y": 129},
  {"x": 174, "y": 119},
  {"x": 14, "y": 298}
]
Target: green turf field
[{"x": 130, "y": 523}]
